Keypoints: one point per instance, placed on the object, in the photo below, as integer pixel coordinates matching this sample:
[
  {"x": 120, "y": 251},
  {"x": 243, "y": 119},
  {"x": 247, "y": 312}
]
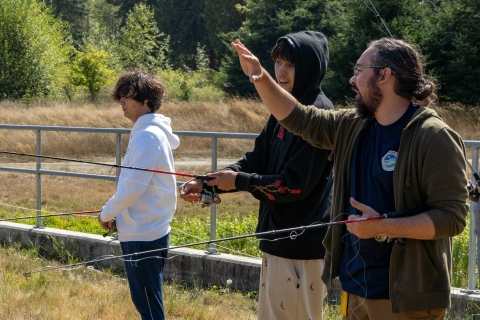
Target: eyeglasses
[{"x": 355, "y": 68}]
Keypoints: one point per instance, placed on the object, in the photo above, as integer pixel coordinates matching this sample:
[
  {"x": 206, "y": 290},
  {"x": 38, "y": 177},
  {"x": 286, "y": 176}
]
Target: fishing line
[
  {"x": 218, "y": 246},
  {"x": 53, "y": 213},
  {"x": 377, "y": 15},
  {"x": 92, "y": 268},
  {"x": 354, "y": 241}
]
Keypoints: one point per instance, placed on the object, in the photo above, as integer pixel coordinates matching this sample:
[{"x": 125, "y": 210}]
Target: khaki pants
[
  {"x": 381, "y": 309},
  {"x": 291, "y": 289}
]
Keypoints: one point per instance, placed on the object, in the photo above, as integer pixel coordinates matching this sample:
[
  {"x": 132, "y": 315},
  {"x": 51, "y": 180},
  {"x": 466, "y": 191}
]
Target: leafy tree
[
  {"x": 91, "y": 70},
  {"x": 34, "y": 50},
  {"x": 140, "y": 41}
]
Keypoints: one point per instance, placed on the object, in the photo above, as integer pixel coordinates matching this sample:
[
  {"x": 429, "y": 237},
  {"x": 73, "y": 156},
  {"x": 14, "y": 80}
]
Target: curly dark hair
[
  {"x": 406, "y": 64},
  {"x": 140, "y": 86}
]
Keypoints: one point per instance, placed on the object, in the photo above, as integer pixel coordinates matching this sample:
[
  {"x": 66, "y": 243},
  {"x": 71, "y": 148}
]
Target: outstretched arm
[{"x": 278, "y": 101}]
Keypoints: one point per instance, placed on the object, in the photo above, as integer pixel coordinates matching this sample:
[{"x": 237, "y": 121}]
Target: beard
[{"x": 366, "y": 106}]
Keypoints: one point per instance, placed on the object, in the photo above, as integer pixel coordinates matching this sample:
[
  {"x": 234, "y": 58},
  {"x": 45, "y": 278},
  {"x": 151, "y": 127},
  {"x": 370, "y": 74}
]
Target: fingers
[
  {"x": 357, "y": 205},
  {"x": 190, "y": 190},
  {"x": 103, "y": 224},
  {"x": 224, "y": 180},
  {"x": 366, "y": 210},
  {"x": 216, "y": 174},
  {"x": 192, "y": 186}
]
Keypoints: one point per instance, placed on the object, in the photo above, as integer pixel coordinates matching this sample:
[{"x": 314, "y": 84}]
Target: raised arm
[{"x": 279, "y": 102}]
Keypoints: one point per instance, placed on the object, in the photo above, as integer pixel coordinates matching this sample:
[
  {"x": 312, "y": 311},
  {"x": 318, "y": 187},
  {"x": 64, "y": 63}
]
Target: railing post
[
  {"x": 213, "y": 208},
  {"x": 38, "y": 176},
  {"x": 474, "y": 240},
  {"x": 118, "y": 154}
]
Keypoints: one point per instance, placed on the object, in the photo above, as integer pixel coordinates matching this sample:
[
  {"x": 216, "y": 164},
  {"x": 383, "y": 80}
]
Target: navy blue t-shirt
[{"x": 366, "y": 261}]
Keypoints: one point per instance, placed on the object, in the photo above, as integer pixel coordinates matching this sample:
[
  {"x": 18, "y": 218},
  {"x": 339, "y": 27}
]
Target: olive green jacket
[{"x": 430, "y": 173}]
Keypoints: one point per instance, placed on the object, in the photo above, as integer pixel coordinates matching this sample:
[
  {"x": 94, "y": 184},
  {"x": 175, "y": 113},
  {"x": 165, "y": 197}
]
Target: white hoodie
[{"x": 145, "y": 202}]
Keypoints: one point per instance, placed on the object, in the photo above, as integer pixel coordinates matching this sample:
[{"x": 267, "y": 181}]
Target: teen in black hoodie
[{"x": 293, "y": 181}]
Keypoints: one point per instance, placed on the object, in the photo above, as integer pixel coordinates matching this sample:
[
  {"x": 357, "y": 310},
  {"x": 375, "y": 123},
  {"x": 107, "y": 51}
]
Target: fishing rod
[
  {"x": 208, "y": 196},
  {"x": 196, "y": 176},
  {"x": 394, "y": 214},
  {"x": 52, "y": 215}
]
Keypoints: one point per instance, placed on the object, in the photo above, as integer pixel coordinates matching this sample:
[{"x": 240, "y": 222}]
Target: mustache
[{"x": 354, "y": 88}]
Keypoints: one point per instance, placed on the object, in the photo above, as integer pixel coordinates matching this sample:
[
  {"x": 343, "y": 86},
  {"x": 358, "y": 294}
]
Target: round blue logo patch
[{"x": 389, "y": 160}]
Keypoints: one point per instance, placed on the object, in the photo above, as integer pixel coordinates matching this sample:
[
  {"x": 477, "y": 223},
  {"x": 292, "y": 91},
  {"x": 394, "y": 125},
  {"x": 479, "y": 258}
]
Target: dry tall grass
[
  {"x": 84, "y": 294},
  {"x": 245, "y": 116},
  {"x": 234, "y": 115}
]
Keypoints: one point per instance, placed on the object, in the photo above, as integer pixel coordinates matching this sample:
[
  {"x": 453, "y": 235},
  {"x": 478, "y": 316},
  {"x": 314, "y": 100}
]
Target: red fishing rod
[
  {"x": 207, "y": 196},
  {"x": 395, "y": 214},
  {"x": 196, "y": 176}
]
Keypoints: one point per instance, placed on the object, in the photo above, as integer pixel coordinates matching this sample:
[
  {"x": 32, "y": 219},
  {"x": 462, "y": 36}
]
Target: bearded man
[{"x": 391, "y": 155}]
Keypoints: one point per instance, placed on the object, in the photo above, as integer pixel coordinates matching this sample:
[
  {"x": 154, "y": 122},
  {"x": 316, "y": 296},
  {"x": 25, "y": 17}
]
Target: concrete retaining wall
[{"x": 189, "y": 266}]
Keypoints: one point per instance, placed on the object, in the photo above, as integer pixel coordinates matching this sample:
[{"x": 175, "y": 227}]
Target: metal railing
[
  {"x": 474, "y": 240},
  {"x": 38, "y": 171},
  {"x": 474, "y": 247}
]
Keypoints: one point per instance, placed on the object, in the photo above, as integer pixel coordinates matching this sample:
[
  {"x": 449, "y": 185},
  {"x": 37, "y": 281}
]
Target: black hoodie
[{"x": 292, "y": 179}]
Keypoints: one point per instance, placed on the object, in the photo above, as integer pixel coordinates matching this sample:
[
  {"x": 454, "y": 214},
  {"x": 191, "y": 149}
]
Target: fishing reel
[
  {"x": 209, "y": 194},
  {"x": 112, "y": 229},
  {"x": 473, "y": 193}
]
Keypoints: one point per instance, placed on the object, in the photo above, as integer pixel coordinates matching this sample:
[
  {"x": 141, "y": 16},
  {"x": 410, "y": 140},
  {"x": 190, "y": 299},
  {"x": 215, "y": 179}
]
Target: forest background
[{"x": 69, "y": 50}]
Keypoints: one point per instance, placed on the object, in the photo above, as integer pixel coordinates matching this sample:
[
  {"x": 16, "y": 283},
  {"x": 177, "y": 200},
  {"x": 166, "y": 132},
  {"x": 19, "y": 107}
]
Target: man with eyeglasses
[{"x": 391, "y": 155}]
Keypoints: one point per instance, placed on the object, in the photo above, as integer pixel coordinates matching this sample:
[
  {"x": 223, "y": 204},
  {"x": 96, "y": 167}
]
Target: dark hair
[
  {"x": 407, "y": 66},
  {"x": 283, "y": 51},
  {"x": 140, "y": 86}
]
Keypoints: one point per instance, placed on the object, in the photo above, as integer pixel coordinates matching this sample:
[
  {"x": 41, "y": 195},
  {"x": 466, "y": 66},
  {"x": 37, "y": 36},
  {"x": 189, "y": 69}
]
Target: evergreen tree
[
  {"x": 141, "y": 45},
  {"x": 75, "y": 13},
  {"x": 182, "y": 21},
  {"x": 220, "y": 17},
  {"x": 452, "y": 48},
  {"x": 265, "y": 22}
]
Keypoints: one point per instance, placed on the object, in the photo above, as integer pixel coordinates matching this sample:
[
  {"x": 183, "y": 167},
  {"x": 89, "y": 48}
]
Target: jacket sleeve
[
  {"x": 294, "y": 182},
  {"x": 132, "y": 183},
  {"x": 445, "y": 182},
  {"x": 315, "y": 125}
]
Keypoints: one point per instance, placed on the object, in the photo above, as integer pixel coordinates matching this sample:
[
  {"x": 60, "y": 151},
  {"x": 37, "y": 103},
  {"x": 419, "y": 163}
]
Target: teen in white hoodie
[{"x": 144, "y": 202}]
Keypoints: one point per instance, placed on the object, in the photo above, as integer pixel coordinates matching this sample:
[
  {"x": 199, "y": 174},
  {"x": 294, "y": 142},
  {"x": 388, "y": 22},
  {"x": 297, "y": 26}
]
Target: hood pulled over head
[{"x": 311, "y": 60}]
